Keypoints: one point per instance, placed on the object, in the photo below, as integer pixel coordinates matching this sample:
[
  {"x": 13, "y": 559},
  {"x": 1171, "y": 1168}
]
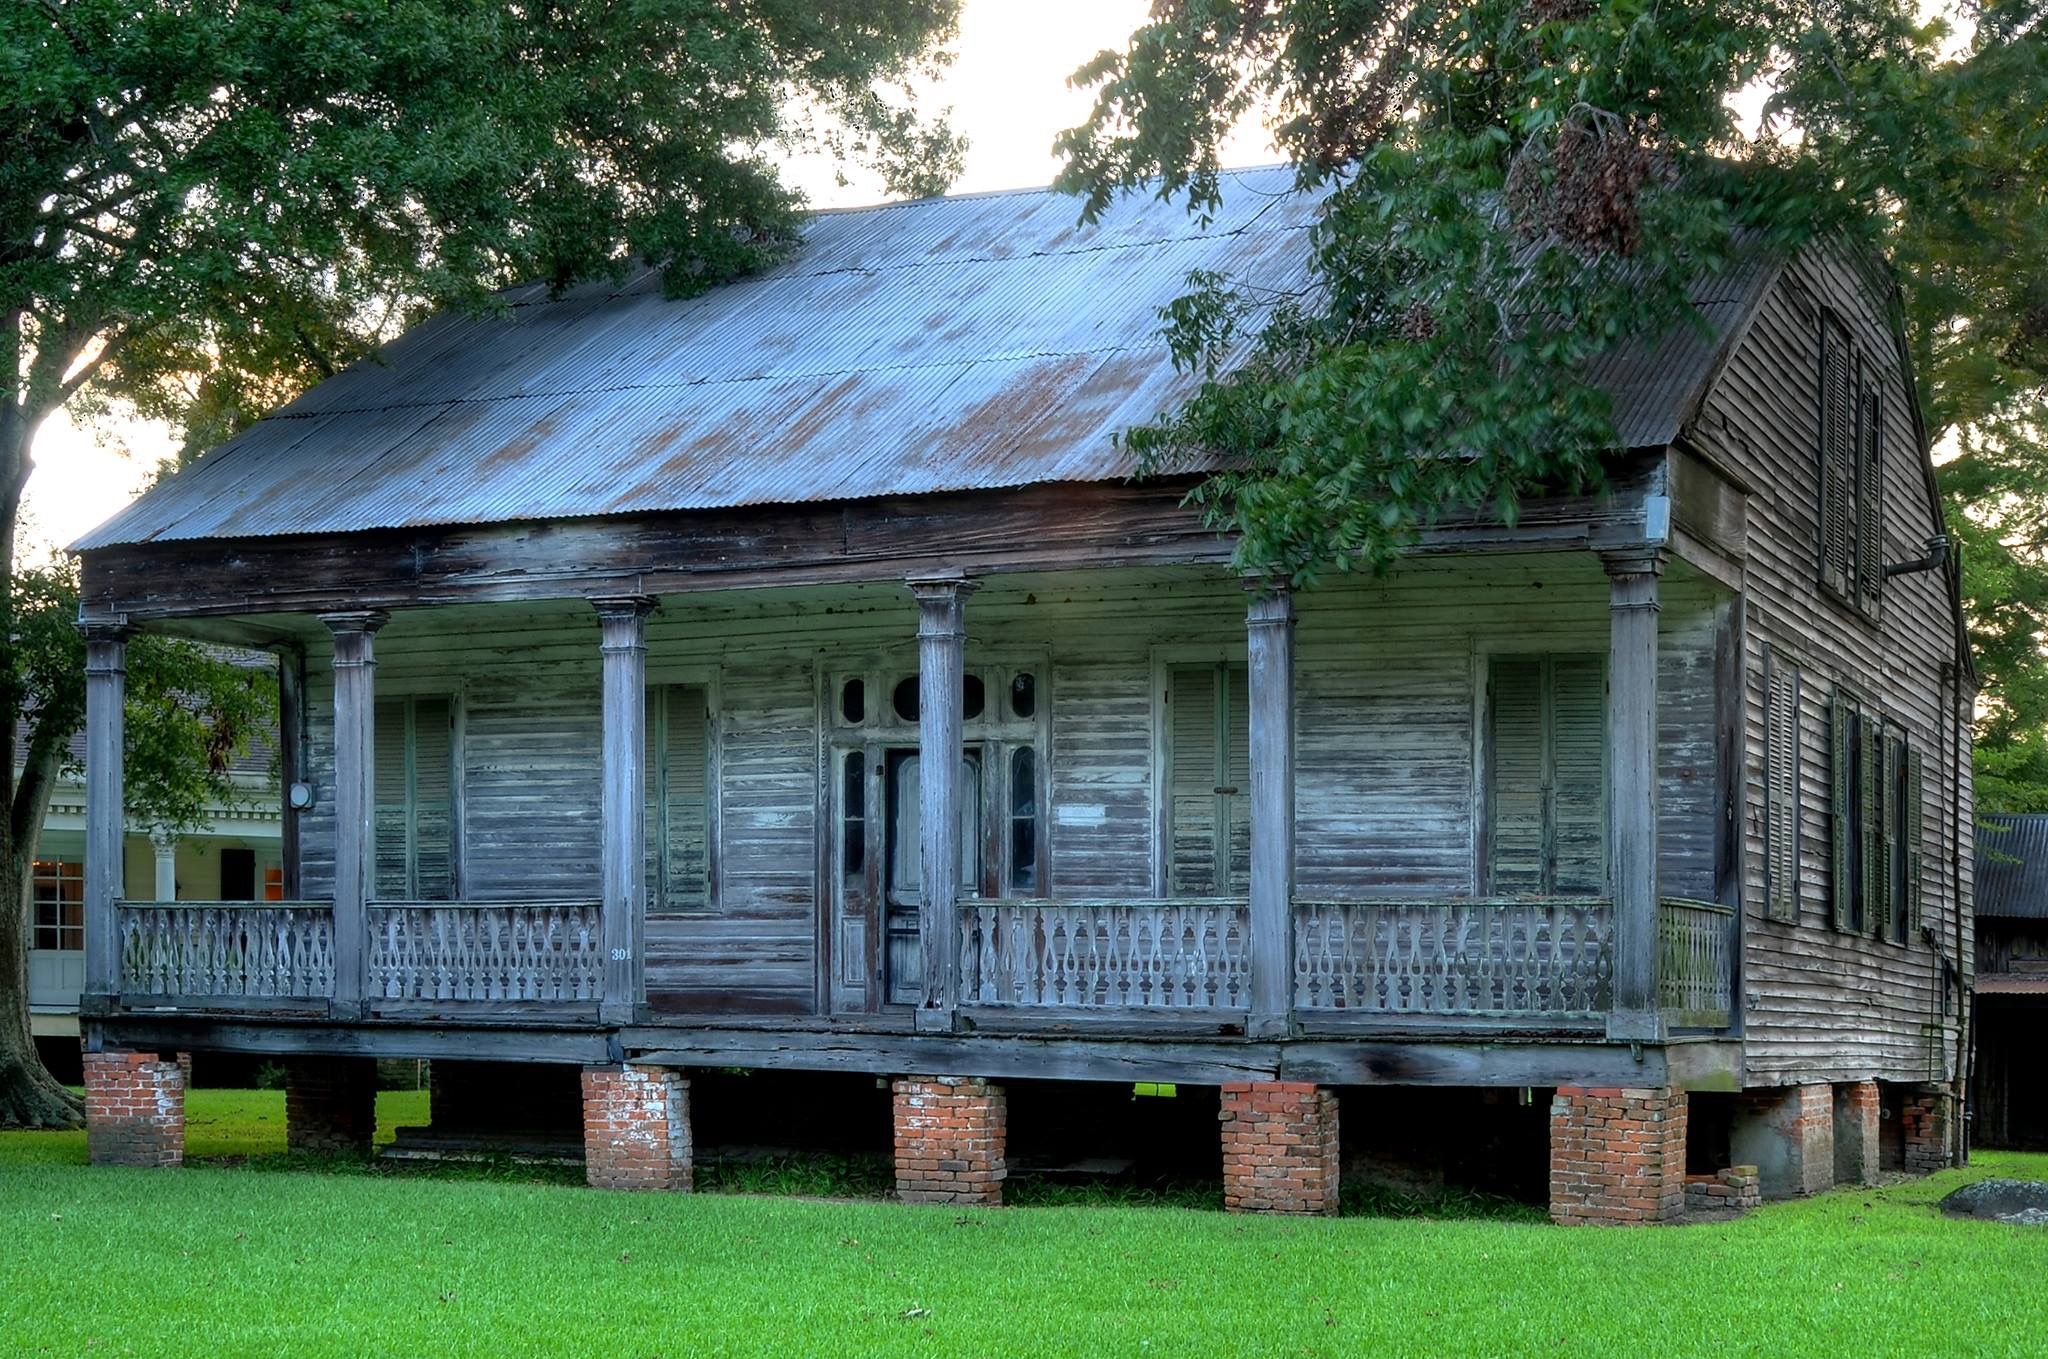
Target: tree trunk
[{"x": 30, "y": 1096}]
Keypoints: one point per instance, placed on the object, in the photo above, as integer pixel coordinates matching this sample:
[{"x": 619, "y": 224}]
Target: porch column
[
  {"x": 165, "y": 850},
  {"x": 1632, "y": 791},
  {"x": 291, "y": 760},
  {"x": 355, "y": 798},
  {"x": 106, "y": 697},
  {"x": 941, "y": 661},
  {"x": 1269, "y": 625},
  {"x": 623, "y": 811}
]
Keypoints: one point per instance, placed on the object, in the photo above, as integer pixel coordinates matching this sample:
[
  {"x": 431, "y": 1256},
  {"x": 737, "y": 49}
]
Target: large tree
[
  {"x": 1523, "y": 184},
  {"x": 206, "y": 205}
]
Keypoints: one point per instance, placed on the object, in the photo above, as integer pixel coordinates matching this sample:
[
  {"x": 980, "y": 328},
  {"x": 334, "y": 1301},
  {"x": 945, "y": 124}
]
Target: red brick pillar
[
  {"x": 1788, "y": 1133},
  {"x": 1924, "y": 1119},
  {"x": 134, "y": 1109},
  {"x": 1856, "y": 1120},
  {"x": 330, "y": 1105},
  {"x": 951, "y": 1135},
  {"x": 636, "y": 1128},
  {"x": 1616, "y": 1155},
  {"x": 1279, "y": 1148}
]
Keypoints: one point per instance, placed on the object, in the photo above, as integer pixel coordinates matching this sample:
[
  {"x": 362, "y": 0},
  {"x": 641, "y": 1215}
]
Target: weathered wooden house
[
  {"x": 2009, "y": 1060},
  {"x": 617, "y": 627}
]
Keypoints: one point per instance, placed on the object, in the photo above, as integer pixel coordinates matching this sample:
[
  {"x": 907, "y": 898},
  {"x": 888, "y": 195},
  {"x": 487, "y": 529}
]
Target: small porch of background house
[{"x": 548, "y": 846}]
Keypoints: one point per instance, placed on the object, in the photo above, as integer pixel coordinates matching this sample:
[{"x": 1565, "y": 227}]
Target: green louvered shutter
[
  {"x": 393, "y": 793},
  {"x": 678, "y": 801},
  {"x": 1208, "y": 781},
  {"x": 433, "y": 799},
  {"x": 1914, "y": 829},
  {"x": 1870, "y": 497},
  {"x": 1837, "y": 458},
  {"x": 1841, "y": 768},
  {"x": 1578, "y": 761},
  {"x": 1870, "y": 822},
  {"x": 1781, "y": 790},
  {"x": 1518, "y": 782}
]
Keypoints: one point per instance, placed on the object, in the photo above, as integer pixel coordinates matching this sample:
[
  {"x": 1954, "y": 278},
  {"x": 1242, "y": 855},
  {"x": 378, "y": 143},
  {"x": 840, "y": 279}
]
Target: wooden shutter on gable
[
  {"x": 1841, "y": 768},
  {"x": 1208, "y": 781},
  {"x": 1516, "y": 781},
  {"x": 678, "y": 798},
  {"x": 1578, "y": 775},
  {"x": 1781, "y": 789},
  {"x": 1870, "y": 496},
  {"x": 433, "y": 799},
  {"x": 1837, "y": 458}
]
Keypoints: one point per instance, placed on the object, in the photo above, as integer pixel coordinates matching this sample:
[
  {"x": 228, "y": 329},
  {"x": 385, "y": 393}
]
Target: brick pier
[
  {"x": 1788, "y": 1133},
  {"x": 1617, "y": 1155},
  {"x": 1280, "y": 1150},
  {"x": 134, "y": 1109},
  {"x": 951, "y": 1139},
  {"x": 330, "y": 1105},
  {"x": 636, "y": 1128}
]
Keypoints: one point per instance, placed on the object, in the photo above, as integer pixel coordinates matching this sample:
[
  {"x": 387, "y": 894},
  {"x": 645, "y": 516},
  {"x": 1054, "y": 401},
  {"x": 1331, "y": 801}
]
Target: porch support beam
[
  {"x": 622, "y": 621},
  {"x": 106, "y": 697},
  {"x": 1632, "y": 790},
  {"x": 941, "y": 668},
  {"x": 355, "y": 799},
  {"x": 1269, "y": 627}
]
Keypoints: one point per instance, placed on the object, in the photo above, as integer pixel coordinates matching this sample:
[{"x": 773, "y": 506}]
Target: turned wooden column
[
  {"x": 1632, "y": 790},
  {"x": 106, "y": 698},
  {"x": 941, "y": 662},
  {"x": 1269, "y": 636},
  {"x": 622, "y": 814},
  {"x": 291, "y": 762},
  {"x": 355, "y": 799}
]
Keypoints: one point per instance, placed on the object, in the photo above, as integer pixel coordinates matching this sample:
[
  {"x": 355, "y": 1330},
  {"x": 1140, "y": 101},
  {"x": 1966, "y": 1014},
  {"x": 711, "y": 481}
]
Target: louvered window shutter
[
  {"x": 678, "y": 801},
  {"x": 1870, "y": 498},
  {"x": 1892, "y": 892},
  {"x": 393, "y": 795},
  {"x": 1912, "y": 832},
  {"x": 1517, "y": 783},
  {"x": 1838, "y": 459},
  {"x": 1781, "y": 790},
  {"x": 1841, "y": 768},
  {"x": 1208, "y": 781},
  {"x": 433, "y": 799},
  {"x": 1870, "y": 823},
  {"x": 1578, "y": 724}
]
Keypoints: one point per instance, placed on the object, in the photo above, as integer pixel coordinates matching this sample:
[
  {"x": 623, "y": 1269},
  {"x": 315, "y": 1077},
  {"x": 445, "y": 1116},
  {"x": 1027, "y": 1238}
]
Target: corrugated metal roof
[
  {"x": 2005, "y": 984},
  {"x": 948, "y": 344},
  {"x": 2012, "y": 867}
]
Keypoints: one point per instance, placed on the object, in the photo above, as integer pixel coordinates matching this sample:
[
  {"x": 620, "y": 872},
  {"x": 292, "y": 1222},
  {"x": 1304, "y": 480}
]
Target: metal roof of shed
[
  {"x": 949, "y": 344},
  {"x": 2012, "y": 867}
]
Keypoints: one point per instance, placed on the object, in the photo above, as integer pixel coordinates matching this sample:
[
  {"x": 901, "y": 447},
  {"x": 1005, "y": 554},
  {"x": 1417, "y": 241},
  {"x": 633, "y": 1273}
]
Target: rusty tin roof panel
[
  {"x": 2011, "y": 878},
  {"x": 952, "y": 344}
]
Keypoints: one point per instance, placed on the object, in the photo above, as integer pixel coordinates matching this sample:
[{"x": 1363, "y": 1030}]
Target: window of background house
[
  {"x": 237, "y": 874},
  {"x": 1208, "y": 773},
  {"x": 415, "y": 778},
  {"x": 1852, "y": 482},
  {"x": 678, "y": 801},
  {"x": 59, "y": 890},
  {"x": 1546, "y": 775}
]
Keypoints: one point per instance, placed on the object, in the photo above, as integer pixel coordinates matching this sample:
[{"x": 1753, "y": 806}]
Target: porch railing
[
  {"x": 550, "y": 951},
  {"x": 1488, "y": 958},
  {"x": 1695, "y": 963},
  {"x": 263, "y": 950},
  {"x": 1102, "y": 955}
]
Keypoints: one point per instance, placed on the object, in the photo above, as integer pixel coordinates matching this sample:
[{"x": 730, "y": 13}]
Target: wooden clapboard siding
[
  {"x": 1100, "y": 836},
  {"x": 1822, "y": 1005}
]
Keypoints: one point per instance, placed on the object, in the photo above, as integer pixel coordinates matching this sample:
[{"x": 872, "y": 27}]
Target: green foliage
[{"x": 1517, "y": 186}]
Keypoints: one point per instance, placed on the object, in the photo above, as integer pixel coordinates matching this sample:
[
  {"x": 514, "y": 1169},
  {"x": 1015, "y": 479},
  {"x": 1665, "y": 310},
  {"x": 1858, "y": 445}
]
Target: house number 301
[{"x": 622, "y": 955}]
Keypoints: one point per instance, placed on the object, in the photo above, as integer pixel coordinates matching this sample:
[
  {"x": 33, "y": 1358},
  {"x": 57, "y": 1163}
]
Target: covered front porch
[{"x": 715, "y": 818}]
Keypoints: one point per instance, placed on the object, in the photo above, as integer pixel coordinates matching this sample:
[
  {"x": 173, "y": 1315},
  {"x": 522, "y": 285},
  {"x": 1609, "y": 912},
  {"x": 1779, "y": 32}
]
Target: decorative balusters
[
  {"x": 1097, "y": 955},
  {"x": 232, "y": 949},
  {"x": 1695, "y": 978},
  {"x": 547, "y": 951},
  {"x": 1472, "y": 958}
]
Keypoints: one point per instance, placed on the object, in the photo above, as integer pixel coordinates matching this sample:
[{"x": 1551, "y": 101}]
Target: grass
[{"x": 246, "y": 1256}]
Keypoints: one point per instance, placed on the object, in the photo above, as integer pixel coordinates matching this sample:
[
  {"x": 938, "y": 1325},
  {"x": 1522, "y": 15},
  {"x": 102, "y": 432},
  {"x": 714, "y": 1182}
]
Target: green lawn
[{"x": 234, "y": 1260}]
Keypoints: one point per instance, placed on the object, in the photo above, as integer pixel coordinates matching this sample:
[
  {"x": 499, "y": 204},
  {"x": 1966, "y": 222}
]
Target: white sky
[{"x": 1009, "y": 95}]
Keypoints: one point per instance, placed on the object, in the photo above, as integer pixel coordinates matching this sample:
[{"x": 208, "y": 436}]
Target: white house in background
[{"x": 237, "y": 855}]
